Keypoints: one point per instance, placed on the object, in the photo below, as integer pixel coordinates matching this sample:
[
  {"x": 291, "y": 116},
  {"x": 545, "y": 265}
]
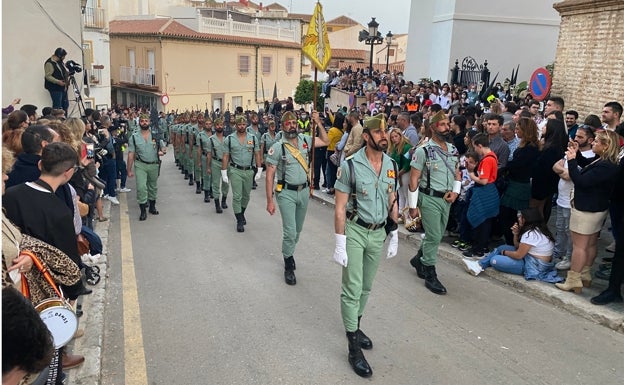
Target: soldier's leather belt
[
  {"x": 432, "y": 192},
  {"x": 142, "y": 161},
  {"x": 217, "y": 159},
  {"x": 368, "y": 226},
  {"x": 240, "y": 167},
  {"x": 295, "y": 187}
]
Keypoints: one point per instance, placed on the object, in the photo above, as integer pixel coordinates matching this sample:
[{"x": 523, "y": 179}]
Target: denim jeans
[
  {"x": 59, "y": 100},
  {"x": 122, "y": 173},
  {"x": 330, "y": 172},
  {"x": 108, "y": 172},
  {"x": 563, "y": 240},
  {"x": 503, "y": 263}
]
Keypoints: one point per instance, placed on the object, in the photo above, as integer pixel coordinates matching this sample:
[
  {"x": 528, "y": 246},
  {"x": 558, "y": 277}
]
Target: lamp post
[
  {"x": 389, "y": 36},
  {"x": 371, "y": 37}
]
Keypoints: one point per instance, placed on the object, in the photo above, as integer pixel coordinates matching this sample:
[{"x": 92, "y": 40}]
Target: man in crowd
[
  {"x": 407, "y": 128},
  {"x": 611, "y": 115},
  {"x": 497, "y": 144},
  {"x": 56, "y": 78},
  {"x": 355, "y": 139},
  {"x": 26, "y": 168},
  {"x": 571, "y": 118}
]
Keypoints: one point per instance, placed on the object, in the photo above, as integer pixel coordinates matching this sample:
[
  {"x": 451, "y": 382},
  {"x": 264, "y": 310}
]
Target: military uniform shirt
[
  {"x": 146, "y": 151},
  {"x": 203, "y": 142},
  {"x": 295, "y": 174},
  {"x": 241, "y": 154},
  {"x": 268, "y": 142},
  {"x": 441, "y": 178},
  {"x": 372, "y": 190},
  {"x": 215, "y": 146}
]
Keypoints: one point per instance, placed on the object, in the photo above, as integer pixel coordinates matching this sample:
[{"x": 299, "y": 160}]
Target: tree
[{"x": 304, "y": 94}]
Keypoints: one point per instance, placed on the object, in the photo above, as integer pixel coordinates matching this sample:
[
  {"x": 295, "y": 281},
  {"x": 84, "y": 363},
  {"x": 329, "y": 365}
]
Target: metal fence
[{"x": 470, "y": 72}]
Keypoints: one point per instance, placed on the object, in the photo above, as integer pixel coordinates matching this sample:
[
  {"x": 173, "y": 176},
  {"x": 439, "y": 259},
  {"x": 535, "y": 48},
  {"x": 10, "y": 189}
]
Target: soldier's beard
[
  {"x": 445, "y": 136},
  {"x": 290, "y": 134},
  {"x": 144, "y": 128},
  {"x": 382, "y": 147}
]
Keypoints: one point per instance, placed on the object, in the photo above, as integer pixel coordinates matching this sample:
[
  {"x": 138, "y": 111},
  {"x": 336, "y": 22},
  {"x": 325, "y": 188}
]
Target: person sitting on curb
[{"x": 531, "y": 254}]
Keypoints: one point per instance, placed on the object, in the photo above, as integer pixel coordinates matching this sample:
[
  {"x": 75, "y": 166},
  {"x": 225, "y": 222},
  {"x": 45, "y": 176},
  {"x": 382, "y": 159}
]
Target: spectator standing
[
  {"x": 56, "y": 79},
  {"x": 611, "y": 115},
  {"x": 399, "y": 151},
  {"x": 571, "y": 117}
]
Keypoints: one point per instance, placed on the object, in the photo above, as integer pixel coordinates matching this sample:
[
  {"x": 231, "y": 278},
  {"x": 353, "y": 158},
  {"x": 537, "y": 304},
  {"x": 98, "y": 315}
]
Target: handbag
[
  {"x": 335, "y": 158},
  {"x": 83, "y": 244}
]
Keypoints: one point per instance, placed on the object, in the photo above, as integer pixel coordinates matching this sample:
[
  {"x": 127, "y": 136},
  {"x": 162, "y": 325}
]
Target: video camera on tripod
[{"x": 73, "y": 67}]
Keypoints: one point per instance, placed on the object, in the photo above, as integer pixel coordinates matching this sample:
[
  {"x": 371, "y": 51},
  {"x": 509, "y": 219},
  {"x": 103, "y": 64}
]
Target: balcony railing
[
  {"x": 140, "y": 76},
  {"x": 255, "y": 29},
  {"x": 95, "y": 75},
  {"x": 94, "y": 18}
]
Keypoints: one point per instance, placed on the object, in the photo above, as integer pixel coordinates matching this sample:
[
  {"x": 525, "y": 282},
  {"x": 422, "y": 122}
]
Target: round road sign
[
  {"x": 540, "y": 84},
  {"x": 164, "y": 99}
]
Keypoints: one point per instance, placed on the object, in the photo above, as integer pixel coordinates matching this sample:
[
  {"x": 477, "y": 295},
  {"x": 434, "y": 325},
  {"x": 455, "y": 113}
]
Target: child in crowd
[{"x": 469, "y": 162}]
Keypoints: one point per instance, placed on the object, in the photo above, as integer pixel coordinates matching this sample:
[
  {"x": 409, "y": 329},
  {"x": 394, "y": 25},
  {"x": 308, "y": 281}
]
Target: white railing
[
  {"x": 94, "y": 18},
  {"x": 237, "y": 28},
  {"x": 142, "y": 76}
]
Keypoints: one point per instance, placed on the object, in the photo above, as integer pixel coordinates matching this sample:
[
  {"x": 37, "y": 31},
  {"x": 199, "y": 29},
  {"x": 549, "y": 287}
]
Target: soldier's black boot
[
  {"x": 365, "y": 342},
  {"x": 431, "y": 280},
  {"x": 152, "y": 207},
  {"x": 356, "y": 357},
  {"x": 207, "y": 196},
  {"x": 198, "y": 187},
  {"x": 289, "y": 271},
  {"x": 186, "y": 174},
  {"x": 218, "y": 206},
  {"x": 224, "y": 202},
  {"x": 415, "y": 262},
  {"x": 143, "y": 207},
  {"x": 190, "y": 179},
  {"x": 240, "y": 226},
  {"x": 243, "y": 215}
]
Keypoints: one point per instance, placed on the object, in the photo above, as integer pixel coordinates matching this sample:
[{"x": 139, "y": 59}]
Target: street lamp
[
  {"x": 389, "y": 43},
  {"x": 371, "y": 37}
]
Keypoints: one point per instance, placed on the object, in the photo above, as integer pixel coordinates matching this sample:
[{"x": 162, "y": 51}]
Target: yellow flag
[{"x": 316, "y": 42}]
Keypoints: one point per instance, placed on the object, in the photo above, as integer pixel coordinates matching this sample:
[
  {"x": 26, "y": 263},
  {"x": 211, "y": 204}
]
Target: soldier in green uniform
[
  {"x": 214, "y": 161},
  {"x": 191, "y": 132},
  {"x": 254, "y": 128},
  {"x": 203, "y": 154},
  {"x": 435, "y": 183},
  {"x": 365, "y": 202},
  {"x": 242, "y": 155},
  {"x": 289, "y": 159},
  {"x": 173, "y": 137},
  {"x": 163, "y": 126},
  {"x": 267, "y": 140},
  {"x": 199, "y": 181},
  {"x": 144, "y": 152},
  {"x": 183, "y": 143}
]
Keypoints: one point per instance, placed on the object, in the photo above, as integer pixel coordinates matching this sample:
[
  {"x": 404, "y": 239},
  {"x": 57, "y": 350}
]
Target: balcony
[
  {"x": 254, "y": 30},
  {"x": 145, "y": 77},
  {"x": 94, "y": 18},
  {"x": 95, "y": 75}
]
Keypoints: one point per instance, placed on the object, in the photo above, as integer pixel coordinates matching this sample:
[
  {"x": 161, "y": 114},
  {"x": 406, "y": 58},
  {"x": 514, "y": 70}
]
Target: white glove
[
  {"x": 258, "y": 174},
  {"x": 393, "y": 244},
  {"x": 224, "y": 176},
  {"x": 340, "y": 252}
]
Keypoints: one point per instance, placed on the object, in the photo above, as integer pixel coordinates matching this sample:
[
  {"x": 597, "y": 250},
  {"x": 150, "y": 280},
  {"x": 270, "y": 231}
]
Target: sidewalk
[{"x": 611, "y": 316}]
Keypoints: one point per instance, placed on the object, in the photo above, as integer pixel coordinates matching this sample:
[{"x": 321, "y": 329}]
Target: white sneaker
[
  {"x": 564, "y": 264},
  {"x": 124, "y": 190},
  {"x": 472, "y": 267},
  {"x": 113, "y": 200}
]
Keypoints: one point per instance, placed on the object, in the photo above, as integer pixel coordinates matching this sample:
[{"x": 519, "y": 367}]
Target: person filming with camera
[{"x": 56, "y": 79}]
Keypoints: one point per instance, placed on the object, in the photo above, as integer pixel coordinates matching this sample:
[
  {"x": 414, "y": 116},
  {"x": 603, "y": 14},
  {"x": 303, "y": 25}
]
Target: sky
[{"x": 392, "y": 15}]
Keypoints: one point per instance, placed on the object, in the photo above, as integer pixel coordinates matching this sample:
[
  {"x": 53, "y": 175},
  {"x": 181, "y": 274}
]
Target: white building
[{"x": 505, "y": 33}]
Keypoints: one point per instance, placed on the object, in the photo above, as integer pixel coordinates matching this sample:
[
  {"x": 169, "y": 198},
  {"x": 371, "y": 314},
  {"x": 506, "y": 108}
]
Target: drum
[{"x": 60, "y": 319}]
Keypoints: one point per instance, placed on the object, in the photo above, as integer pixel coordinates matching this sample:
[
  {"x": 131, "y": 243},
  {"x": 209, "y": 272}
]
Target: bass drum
[{"x": 60, "y": 319}]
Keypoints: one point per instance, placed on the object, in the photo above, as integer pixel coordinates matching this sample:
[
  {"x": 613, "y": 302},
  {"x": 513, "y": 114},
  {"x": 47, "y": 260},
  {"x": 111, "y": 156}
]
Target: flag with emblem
[{"x": 316, "y": 41}]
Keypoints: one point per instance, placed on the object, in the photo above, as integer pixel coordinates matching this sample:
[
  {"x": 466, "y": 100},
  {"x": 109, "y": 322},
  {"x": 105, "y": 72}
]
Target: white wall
[
  {"x": 506, "y": 33},
  {"x": 101, "y": 93},
  {"x": 29, "y": 38}
]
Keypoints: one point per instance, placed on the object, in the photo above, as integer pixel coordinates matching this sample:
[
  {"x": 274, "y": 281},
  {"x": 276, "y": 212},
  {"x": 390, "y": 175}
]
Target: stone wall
[{"x": 589, "y": 64}]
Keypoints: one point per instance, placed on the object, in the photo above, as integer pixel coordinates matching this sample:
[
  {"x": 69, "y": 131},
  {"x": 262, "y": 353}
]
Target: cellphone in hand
[{"x": 90, "y": 151}]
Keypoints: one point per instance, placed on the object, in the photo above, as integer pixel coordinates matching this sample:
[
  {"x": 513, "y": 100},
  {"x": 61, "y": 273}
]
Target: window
[
  {"x": 266, "y": 64},
  {"x": 290, "y": 65},
  {"x": 237, "y": 101},
  {"x": 243, "y": 64}
]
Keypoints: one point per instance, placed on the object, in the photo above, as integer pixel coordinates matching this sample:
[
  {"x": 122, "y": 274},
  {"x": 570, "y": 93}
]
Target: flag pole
[{"x": 314, "y": 135}]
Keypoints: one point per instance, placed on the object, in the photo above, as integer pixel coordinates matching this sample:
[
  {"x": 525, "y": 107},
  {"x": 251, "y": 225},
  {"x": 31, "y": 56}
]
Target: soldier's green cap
[
  {"x": 439, "y": 116},
  {"x": 271, "y": 122},
  {"x": 207, "y": 119},
  {"x": 218, "y": 120},
  {"x": 376, "y": 122},
  {"x": 144, "y": 116},
  {"x": 288, "y": 115},
  {"x": 240, "y": 119}
]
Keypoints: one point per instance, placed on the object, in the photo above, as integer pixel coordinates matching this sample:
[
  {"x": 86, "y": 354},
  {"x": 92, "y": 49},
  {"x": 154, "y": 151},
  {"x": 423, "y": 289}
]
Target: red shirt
[{"x": 488, "y": 167}]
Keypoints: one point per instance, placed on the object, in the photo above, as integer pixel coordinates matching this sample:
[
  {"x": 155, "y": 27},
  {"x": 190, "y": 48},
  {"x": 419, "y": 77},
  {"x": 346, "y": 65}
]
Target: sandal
[{"x": 104, "y": 219}]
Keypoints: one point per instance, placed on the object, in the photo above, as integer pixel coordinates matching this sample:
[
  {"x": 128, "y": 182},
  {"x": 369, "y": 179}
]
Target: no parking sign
[{"x": 540, "y": 84}]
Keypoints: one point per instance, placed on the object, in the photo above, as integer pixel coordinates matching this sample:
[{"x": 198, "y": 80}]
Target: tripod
[{"x": 77, "y": 95}]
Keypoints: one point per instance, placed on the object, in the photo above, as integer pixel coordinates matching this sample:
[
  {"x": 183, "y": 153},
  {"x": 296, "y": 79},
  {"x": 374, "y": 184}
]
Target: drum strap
[{"x": 44, "y": 271}]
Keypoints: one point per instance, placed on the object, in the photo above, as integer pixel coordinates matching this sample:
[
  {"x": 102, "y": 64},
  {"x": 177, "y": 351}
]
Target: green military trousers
[
  {"x": 218, "y": 186},
  {"x": 363, "y": 252},
  {"x": 293, "y": 207},
  {"x": 199, "y": 166},
  {"x": 206, "y": 180},
  {"x": 190, "y": 165},
  {"x": 146, "y": 181},
  {"x": 241, "y": 181},
  {"x": 434, "y": 212}
]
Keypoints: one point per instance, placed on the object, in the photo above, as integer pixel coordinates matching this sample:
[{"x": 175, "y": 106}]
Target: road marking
[{"x": 134, "y": 353}]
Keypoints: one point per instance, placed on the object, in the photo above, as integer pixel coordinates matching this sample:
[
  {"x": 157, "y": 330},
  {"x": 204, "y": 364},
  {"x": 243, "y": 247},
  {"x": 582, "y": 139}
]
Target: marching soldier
[
  {"x": 191, "y": 132},
  {"x": 203, "y": 154},
  {"x": 267, "y": 140},
  {"x": 242, "y": 154},
  {"x": 435, "y": 183},
  {"x": 365, "y": 202},
  {"x": 144, "y": 152},
  {"x": 289, "y": 159},
  {"x": 199, "y": 181},
  {"x": 214, "y": 162}
]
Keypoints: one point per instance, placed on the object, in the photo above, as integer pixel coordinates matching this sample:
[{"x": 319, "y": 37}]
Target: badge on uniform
[
  {"x": 390, "y": 174},
  {"x": 270, "y": 151},
  {"x": 305, "y": 145},
  {"x": 338, "y": 172}
]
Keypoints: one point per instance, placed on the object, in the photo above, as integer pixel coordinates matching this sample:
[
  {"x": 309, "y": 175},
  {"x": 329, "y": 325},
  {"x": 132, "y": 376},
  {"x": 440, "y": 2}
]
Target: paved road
[{"x": 211, "y": 307}]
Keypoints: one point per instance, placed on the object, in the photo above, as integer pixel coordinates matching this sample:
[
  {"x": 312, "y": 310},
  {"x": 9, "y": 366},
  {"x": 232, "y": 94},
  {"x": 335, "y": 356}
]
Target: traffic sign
[
  {"x": 540, "y": 84},
  {"x": 164, "y": 99}
]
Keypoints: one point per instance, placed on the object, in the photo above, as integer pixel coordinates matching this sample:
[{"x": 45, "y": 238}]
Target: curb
[{"x": 611, "y": 316}]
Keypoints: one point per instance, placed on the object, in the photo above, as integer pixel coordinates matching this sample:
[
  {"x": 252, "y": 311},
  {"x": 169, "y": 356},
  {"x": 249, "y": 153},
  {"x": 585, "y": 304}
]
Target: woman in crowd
[
  {"x": 590, "y": 203},
  {"x": 398, "y": 147},
  {"x": 12, "y": 130},
  {"x": 545, "y": 180},
  {"x": 531, "y": 254},
  {"x": 334, "y": 135},
  {"x": 518, "y": 192}
]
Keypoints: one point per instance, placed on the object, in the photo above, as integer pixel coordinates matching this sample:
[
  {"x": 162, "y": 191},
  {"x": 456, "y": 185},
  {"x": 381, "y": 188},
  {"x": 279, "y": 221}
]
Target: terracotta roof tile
[
  {"x": 349, "y": 54},
  {"x": 170, "y": 28},
  {"x": 343, "y": 20},
  {"x": 303, "y": 16}
]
